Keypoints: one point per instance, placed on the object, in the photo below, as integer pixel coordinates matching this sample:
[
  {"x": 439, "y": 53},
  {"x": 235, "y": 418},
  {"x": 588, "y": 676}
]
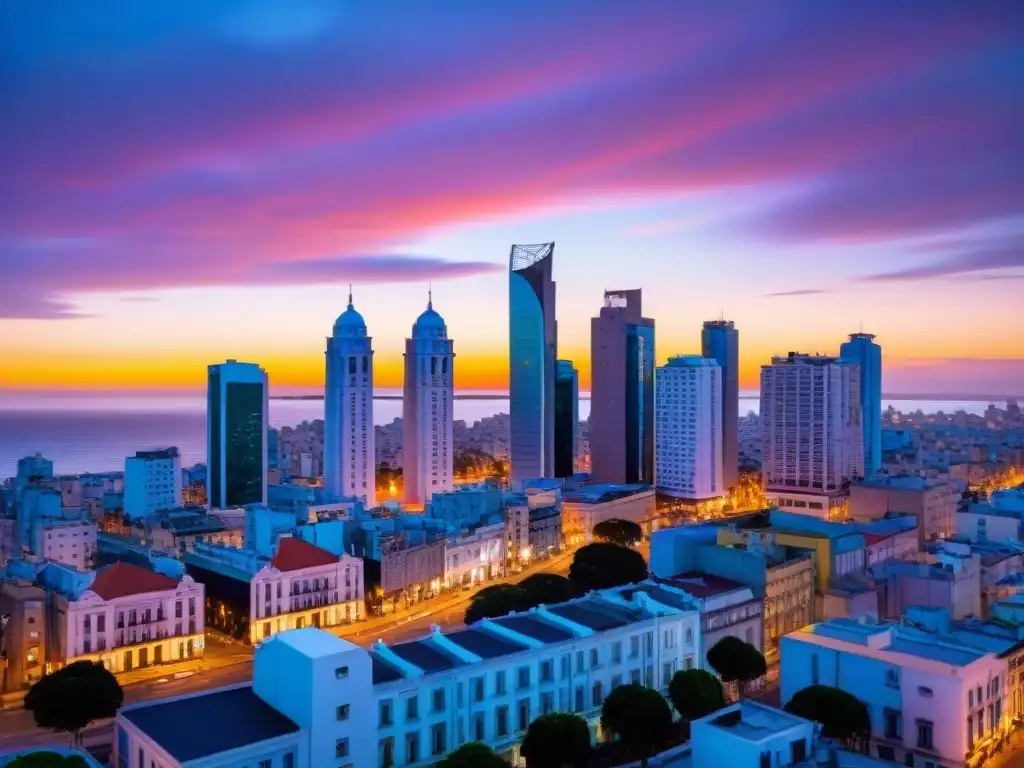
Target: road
[{"x": 227, "y": 663}]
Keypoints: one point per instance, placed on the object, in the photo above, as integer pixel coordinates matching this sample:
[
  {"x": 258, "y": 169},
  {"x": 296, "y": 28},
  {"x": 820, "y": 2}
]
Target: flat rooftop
[
  {"x": 426, "y": 655},
  {"x": 195, "y": 727},
  {"x": 754, "y": 722},
  {"x": 535, "y": 628},
  {"x": 599, "y": 493},
  {"x": 312, "y": 642},
  {"x": 382, "y": 671},
  {"x": 595, "y": 615},
  {"x": 484, "y": 644}
]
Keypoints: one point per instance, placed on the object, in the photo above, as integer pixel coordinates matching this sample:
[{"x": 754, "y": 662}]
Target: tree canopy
[
  {"x": 695, "y": 693},
  {"x": 558, "y": 740},
  {"x": 639, "y": 716},
  {"x": 625, "y": 533},
  {"x": 736, "y": 661},
  {"x": 497, "y": 600},
  {"x": 548, "y": 588},
  {"x": 475, "y": 754},
  {"x": 602, "y": 565},
  {"x": 47, "y": 760},
  {"x": 842, "y": 715},
  {"x": 74, "y": 696}
]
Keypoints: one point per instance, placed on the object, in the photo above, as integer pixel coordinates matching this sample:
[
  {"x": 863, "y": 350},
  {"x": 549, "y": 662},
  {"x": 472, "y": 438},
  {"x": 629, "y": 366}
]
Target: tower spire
[
  {"x": 350, "y": 295},
  {"x": 430, "y": 294}
]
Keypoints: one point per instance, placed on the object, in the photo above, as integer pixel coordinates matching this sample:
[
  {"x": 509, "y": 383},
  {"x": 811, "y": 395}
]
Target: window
[
  {"x": 524, "y": 677},
  {"x": 478, "y": 689},
  {"x": 478, "y": 726},
  {"x": 341, "y": 748},
  {"x": 341, "y": 673},
  {"x": 924, "y": 734},
  {"x": 412, "y": 708},
  {"x": 634, "y": 677},
  {"x": 579, "y": 661},
  {"x": 385, "y": 712},
  {"x": 501, "y": 721},
  {"x": 438, "y": 740},
  {"x": 547, "y": 671},
  {"x": 499, "y": 683},
  {"x": 438, "y": 699},
  {"x": 412, "y": 747},
  {"x": 598, "y": 696},
  {"x": 594, "y": 658},
  {"x": 289, "y": 760},
  {"x": 616, "y": 681},
  {"x": 578, "y": 703},
  {"x": 893, "y": 726},
  {"x": 892, "y": 678},
  {"x": 634, "y": 646},
  {"x": 524, "y": 715},
  {"x": 616, "y": 653},
  {"x": 342, "y": 712},
  {"x": 565, "y": 664},
  {"x": 265, "y": 763}
]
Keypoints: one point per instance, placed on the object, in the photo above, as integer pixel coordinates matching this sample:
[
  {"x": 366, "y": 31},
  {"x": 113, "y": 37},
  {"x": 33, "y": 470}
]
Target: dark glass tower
[
  {"x": 567, "y": 417},
  {"x": 236, "y": 432},
  {"x": 532, "y": 352},
  {"x": 862, "y": 351},
  {"x": 720, "y": 341}
]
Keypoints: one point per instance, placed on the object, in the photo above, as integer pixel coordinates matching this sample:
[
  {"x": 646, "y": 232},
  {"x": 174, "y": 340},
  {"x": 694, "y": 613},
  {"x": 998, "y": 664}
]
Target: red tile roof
[
  {"x": 123, "y": 579},
  {"x": 293, "y": 554}
]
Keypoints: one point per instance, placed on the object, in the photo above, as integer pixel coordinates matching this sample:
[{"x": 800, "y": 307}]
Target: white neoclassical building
[
  {"x": 427, "y": 419},
  {"x": 349, "y": 458}
]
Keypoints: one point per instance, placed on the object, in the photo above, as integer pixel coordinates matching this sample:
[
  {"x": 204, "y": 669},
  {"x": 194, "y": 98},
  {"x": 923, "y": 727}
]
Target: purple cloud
[
  {"x": 983, "y": 257},
  {"x": 798, "y": 292}
]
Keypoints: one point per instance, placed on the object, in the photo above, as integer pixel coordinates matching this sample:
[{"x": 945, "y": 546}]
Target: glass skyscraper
[
  {"x": 720, "y": 341},
  {"x": 236, "y": 434},
  {"x": 567, "y": 417},
  {"x": 532, "y": 352},
  {"x": 861, "y": 350}
]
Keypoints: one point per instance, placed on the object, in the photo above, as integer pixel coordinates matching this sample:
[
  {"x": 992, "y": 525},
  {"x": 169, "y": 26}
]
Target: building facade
[
  {"x": 811, "y": 431},
  {"x": 622, "y": 391},
  {"x": 932, "y": 502},
  {"x": 23, "y": 634},
  {"x": 70, "y": 542},
  {"x": 152, "y": 481},
  {"x": 689, "y": 429},
  {"x": 567, "y": 417},
  {"x": 584, "y": 508},
  {"x": 862, "y": 351},
  {"x": 427, "y": 401},
  {"x": 533, "y": 346},
  {"x": 236, "y": 434},
  {"x": 475, "y": 557},
  {"x": 349, "y": 454},
  {"x": 720, "y": 341}
]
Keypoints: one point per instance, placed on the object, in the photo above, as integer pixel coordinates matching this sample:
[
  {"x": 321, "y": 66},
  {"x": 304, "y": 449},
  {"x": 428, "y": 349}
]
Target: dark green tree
[
  {"x": 842, "y": 715},
  {"x": 639, "y": 716},
  {"x": 558, "y": 740},
  {"x": 695, "y": 693},
  {"x": 625, "y": 533},
  {"x": 74, "y": 696},
  {"x": 499, "y": 600},
  {"x": 737, "y": 662},
  {"x": 602, "y": 565},
  {"x": 548, "y": 588},
  {"x": 475, "y": 754},
  {"x": 48, "y": 760}
]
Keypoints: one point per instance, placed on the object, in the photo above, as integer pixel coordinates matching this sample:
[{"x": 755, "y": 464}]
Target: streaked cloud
[{"x": 796, "y": 292}]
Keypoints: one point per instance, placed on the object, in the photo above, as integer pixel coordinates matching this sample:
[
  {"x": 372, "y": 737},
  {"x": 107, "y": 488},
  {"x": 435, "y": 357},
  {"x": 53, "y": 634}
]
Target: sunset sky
[{"x": 185, "y": 181}]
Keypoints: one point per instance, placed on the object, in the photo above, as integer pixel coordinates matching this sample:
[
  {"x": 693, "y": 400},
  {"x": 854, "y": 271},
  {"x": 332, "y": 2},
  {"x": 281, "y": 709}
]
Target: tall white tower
[
  {"x": 427, "y": 455},
  {"x": 349, "y": 460}
]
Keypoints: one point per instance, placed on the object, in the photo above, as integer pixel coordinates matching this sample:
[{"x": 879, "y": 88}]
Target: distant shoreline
[{"x": 955, "y": 398}]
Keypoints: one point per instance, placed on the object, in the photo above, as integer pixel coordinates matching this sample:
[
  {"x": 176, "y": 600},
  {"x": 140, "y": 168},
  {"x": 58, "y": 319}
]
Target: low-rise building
[
  {"x": 985, "y": 523},
  {"x": 318, "y": 700},
  {"x": 517, "y": 530},
  {"x": 475, "y": 556},
  {"x": 252, "y": 597},
  {"x": 933, "y": 502},
  {"x": 952, "y": 580},
  {"x": 545, "y": 532},
  {"x": 753, "y": 735},
  {"x": 23, "y": 637},
  {"x": 152, "y": 481},
  {"x": 67, "y": 541},
  {"x": 931, "y": 701},
  {"x": 588, "y": 505}
]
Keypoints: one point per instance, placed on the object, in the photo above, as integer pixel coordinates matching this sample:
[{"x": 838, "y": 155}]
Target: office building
[
  {"x": 720, "y": 341},
  {"x": 689, "y": 428},
  {"x": 567, "y": 417},
  {"x": 318, "y": 700},
  {"x": 349, "y": 455},
  {"x": 533, "y": 346},
  {"x": 811, "y": 435},
  {"x": 862, "y": 351},
  {"x": 427, "y": 401},
  {"x": 152, "y": 481},
  {"x": 932, "y": 701},
  {"x": 622, "y": 391},
  {"x": 236, "y": 434}
]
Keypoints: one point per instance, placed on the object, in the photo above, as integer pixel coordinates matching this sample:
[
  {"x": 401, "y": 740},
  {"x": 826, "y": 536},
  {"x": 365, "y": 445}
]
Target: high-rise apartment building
[
  {"x": 533, "y": 344},
  {"x": 720, "y": 341},
  {"x": 152, "y": 481},
  {"x": 810, "y": 424},
  {"x": 427, "y": 401},
  {"x": 236, "y": 434},
  {"x": 622, "y": 391},
  {"x": 862, "y": 351},
  {"x": 689, "y": 428},
  {"x": 349, "y": 459},
  {"x": 567, "y": 417}
]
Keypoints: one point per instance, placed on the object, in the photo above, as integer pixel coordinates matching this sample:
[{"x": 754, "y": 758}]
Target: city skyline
[{"x": 808, "y": 177}]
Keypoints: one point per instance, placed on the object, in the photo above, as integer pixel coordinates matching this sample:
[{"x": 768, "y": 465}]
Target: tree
[
  {"x": 842, "y": 715},
  {"x": 475, "y": 754},
  {"x": 558, "y": 740},
  {"x": 737, "y": 662},
  {"x": 72, "y": 697},
  {"x": 625, "y": 533},
  {"x": 639, "y": 716},
  {"x": 603, "y": 565},
  {"x": 695, "y": 693},
  {"x": 47, "y": 760},
  {"x": 499, "y": 600},
  {"x": 548, "y": 588}
]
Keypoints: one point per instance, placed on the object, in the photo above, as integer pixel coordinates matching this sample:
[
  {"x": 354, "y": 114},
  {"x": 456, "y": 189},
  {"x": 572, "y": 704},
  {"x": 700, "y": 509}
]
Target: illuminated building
[
  {"x": 349, "y": 456},
  {"x": 533, "y": 348},
  {"x": 427, "y": 446},
  {"x": 152, "y": 481},
  {"x": 236, "y": 434},
  {"x": 862, "y": 351},
  {"x": 567, "y": 417},
  {"x": 720, "y": 341}
]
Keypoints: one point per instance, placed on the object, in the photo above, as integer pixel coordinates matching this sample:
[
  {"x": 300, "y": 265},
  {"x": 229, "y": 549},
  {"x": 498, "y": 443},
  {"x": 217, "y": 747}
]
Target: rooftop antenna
[
  {"x": 350, "y": 295},
  {"x": 430, "y": 294},
  {"x": 721, "y": 315}
]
